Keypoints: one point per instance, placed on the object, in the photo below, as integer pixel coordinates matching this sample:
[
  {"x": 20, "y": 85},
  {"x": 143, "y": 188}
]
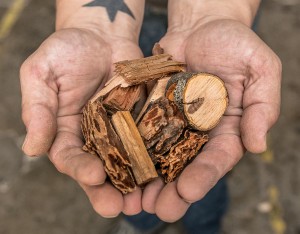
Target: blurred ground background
[{"x": 35, "y": 198}]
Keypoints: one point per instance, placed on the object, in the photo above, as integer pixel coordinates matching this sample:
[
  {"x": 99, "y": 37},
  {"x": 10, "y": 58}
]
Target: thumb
[
  {"x": 39, "y": 107},
  {"x": 261, "y": 103}
]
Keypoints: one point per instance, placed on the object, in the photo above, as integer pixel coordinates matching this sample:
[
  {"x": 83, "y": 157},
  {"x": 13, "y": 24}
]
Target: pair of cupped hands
[{"x": 73, "y": 64}]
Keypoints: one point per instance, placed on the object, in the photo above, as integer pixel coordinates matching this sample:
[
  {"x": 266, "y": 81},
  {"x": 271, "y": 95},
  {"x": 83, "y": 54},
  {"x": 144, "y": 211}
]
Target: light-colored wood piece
[
  {"x": 205, "y": 100},
  {"x": 147, "y": 69},
  {"x": 142, "y": 166}
]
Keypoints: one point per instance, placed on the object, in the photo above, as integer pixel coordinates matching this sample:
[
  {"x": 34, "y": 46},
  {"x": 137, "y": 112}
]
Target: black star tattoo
[{"x": 112, "y": 7}]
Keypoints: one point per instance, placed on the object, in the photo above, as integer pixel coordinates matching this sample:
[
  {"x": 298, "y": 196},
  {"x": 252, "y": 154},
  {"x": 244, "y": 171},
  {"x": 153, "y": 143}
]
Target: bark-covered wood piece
[
  {"x": 161, "y": 126},
  {"x": 172, "y": 164},
  {"x": 202, "y": 97},
  {"x": 142, "y": 165},
  {"x": 102, "y": 140}
]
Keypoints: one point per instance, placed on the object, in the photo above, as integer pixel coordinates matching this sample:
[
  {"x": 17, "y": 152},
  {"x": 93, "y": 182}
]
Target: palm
[
  {"x": 233, "y": 52},
  {"x": 81, "y": 62}
]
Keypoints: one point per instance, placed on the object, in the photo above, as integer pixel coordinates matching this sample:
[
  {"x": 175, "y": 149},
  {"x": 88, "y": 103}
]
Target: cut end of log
[{"x": 202, "y": 97}]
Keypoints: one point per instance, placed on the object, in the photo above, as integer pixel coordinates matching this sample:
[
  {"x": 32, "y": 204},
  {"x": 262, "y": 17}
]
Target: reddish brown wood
[
  {"x": 142, "y": 166},
  {"x": 102, "y": 140},
  {"x": 171, "y": 127}
]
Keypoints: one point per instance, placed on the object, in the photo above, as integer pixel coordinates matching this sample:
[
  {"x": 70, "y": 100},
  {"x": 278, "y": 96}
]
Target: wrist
[
  {"x": 199, "y": 12},
  {"x": 102, "y": 17}
]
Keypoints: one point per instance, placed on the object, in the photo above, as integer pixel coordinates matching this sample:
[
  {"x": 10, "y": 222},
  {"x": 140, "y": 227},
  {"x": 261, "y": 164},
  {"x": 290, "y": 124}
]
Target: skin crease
[
  {"x": 73, "y": 63},
  {"x": 252, "y": 73},
  {"x": 56, "y": 82}
]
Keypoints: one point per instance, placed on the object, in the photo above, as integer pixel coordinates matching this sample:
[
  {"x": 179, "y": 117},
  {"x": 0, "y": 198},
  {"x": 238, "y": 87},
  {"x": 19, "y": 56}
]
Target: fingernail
[
  {"x": 110, "y": 217},
  {"x": 187, "y": 201},
  {"x": 23, "y": 148},
  {"x": 24, "y": 143},
  {"x": 97, "y": 184}
]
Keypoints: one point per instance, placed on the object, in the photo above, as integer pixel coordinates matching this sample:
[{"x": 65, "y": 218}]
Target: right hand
[{"x": 57, "y": 81}]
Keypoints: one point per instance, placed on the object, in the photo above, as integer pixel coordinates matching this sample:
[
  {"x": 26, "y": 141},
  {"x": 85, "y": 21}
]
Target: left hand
[
  {"x": 252, "y": 73},
  {"x": 57, "y": 81}
]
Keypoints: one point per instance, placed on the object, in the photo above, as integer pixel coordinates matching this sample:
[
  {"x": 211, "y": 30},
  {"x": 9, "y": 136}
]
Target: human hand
[
  {"x": 252, "y": 74},
  {"x": 56, "y": 82}
]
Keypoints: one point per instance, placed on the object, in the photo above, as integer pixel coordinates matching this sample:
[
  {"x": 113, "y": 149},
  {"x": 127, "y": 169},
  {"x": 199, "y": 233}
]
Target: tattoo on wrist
[{"x": 112, "y": 7}]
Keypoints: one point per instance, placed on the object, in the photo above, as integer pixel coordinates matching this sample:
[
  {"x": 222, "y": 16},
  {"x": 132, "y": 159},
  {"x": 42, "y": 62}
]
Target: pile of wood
[{"x": 170, "y": 129}]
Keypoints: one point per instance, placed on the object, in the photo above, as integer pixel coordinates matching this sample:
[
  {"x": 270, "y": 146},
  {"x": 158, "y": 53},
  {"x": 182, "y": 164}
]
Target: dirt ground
[{"x": 264, "y": 189}]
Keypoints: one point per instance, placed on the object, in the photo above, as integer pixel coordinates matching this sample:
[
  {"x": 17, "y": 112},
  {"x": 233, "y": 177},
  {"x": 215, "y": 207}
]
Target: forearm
[
  {"x": 190, "y": 12},
  {"x": 116, "y": 17}
]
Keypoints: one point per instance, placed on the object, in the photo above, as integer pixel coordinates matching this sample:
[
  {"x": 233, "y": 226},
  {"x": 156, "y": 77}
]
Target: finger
[
  {"x": 39, "y": 107},
  {"x": 106, "y": 200},
  {"x": 220, "y": 154},
  {"x": 68, "y": 157},
  {"x": 132, "y": 202},
  {"x": 261, "y": 103},
  {"x": 170, "y": 207},
  {"x": 150, "y": 195}
]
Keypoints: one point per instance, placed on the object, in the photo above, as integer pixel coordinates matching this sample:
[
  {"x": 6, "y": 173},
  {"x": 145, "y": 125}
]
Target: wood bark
[
  {"x": 102, "y": 140},
  {"x": 174, "y": 124},
  {"x": 170, "y": 130},
  {"x": 168, "y": 139},
  {"x": 121, "y": 94},
  {"x": 181, "y": 154}
]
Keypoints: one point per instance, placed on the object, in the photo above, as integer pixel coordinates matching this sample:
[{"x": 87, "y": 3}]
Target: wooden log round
[{"x": 202, "y": 97}]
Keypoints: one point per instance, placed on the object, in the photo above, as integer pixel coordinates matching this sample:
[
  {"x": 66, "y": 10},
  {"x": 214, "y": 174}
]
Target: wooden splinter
[{"x": 142, "y": 166}]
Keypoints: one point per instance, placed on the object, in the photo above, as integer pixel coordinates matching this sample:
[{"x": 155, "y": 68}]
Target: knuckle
[
  {"x": 56, "y": 161},
  {"x": 278, "y": 65},
  {"x": 103, "y": 210},
  {"x": 192, "y": 187},
  {"x": 91, "y": 177},
  {"x": 33, "y": 70},
  {"x": 278, "y": 62}
]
